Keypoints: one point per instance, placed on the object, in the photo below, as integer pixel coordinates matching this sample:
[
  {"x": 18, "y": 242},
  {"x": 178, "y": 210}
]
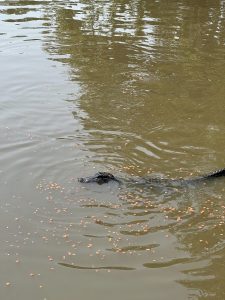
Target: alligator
[{"x": 105, "y": 177}]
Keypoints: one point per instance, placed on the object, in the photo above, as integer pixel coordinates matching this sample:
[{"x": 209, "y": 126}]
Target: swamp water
[{"x": 131, "y": 87}]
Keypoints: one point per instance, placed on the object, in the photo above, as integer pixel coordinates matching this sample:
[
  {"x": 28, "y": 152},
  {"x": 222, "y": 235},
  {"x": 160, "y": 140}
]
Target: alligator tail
[{"x": 218, "y": 173}]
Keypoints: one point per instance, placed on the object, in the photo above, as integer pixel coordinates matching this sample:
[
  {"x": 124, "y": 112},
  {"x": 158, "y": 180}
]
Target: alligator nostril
[{"x": 81, "y": 179}]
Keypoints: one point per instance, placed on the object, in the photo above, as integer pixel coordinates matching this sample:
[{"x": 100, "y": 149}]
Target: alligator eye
[{"x": 101, "y": 181}]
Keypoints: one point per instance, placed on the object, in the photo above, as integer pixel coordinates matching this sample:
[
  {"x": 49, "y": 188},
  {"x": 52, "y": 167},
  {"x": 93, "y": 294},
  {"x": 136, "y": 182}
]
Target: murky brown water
[{"x": 131, "y": 87}]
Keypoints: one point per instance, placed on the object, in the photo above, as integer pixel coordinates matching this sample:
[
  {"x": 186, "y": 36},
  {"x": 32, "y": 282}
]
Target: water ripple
[{"x": 120, "y": 268}]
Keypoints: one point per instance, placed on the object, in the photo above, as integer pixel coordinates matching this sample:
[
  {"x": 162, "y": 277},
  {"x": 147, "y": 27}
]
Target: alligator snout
[{"x": 100, "y": 178}]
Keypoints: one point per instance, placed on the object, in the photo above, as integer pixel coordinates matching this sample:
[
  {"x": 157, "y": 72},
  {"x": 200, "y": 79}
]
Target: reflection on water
[
  {"x": 132, "y": 86},
  {"x": 156, "y": 69}
]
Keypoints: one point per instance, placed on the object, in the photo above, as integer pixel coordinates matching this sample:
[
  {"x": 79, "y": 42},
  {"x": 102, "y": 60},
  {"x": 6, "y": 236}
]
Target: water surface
[{"x": 131, "y": 87}]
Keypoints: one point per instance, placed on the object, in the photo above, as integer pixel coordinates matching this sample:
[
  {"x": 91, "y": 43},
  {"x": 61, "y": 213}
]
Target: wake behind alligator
[{"x": 105, "y": 177}]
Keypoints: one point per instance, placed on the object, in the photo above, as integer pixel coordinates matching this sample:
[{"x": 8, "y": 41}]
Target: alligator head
[{"x": 100, "y": 178}]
